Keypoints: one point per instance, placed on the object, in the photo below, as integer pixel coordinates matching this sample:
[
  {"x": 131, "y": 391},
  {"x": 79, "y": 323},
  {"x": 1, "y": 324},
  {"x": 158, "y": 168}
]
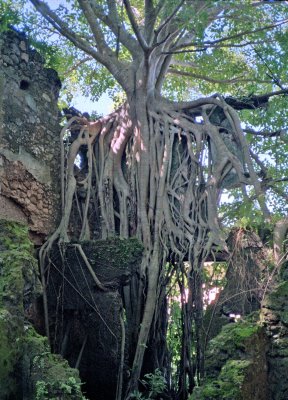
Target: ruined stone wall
[
  {"x": 274, "y": 316},
  {"x": 29, "y": 136}
]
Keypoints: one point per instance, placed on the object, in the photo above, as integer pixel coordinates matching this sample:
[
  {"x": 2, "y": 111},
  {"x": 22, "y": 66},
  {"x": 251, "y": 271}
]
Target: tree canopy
[
  {"x": 156, "y": 167},
  {"x": 236, "y": 48}
]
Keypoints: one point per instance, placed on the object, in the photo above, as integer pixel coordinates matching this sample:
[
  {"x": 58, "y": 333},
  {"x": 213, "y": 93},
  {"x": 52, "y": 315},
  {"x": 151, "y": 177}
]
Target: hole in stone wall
[{"x": 24, "y": 85}]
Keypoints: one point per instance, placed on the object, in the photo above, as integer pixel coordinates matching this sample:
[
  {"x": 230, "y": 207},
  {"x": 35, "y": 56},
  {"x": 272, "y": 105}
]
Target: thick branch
[
  {"x": 185, "y": 105},
  {"x": 135, "y": 26},
  {"x": 94, "y": 25},
  {"x": 252, "y": 102},
  {"x": 150, "y": 18},
  {"x": 265, "y": 134},
  {"x": 107, "y": 58},
  {"x": 115, "y": 23},
  {"x": 64, "y": 29},
  {"x": 77, "y": 65}
]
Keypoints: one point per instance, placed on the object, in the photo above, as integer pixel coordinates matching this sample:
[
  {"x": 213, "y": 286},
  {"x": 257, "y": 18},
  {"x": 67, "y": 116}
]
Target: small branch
[
  {"x": 94, "y": 25},
  {"x": 235, "y": 36},
  {"x": 280, "y": 180},
  {"x": 260, "y": 163},
  {"x": 115, "y": 23},
  {"x": 214, "y": 80},
  {"x": 168, "y": 19},
  {"x": 77, "y": 65},
  {"x": 201, "y": 48},
  {"x": 264, "y": 133}
]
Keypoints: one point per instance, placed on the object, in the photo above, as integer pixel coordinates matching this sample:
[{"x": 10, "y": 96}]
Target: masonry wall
[{"x": 29, "y": 136}]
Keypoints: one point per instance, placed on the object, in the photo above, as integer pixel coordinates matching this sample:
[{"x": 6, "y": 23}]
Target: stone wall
[
  {"x": 29, "y": 136},
  {"x": 86, "y": 321}
]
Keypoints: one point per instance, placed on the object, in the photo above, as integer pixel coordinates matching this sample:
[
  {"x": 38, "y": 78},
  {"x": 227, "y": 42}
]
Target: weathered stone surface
[
  {"x": 82, "y": 313},
  {"x": 29, "y": 135}
]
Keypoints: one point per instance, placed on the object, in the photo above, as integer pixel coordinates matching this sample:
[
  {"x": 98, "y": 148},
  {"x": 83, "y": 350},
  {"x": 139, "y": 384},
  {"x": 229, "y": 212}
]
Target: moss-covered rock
[
  {"x": 278, "y": 298},
  {"x": 17, "y": 271},
  {"x": 228, "y": 385},
  {"x": 274, "y": 315},
  {"x": 235, "y": 364},
  {"x": 10, "y": 333},
  {"x": 47, "y": 376},
  {"x": 28, "y": 370}
]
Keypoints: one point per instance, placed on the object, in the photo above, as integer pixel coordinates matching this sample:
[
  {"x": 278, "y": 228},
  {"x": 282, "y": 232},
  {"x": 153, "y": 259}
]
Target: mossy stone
[
  {"x": 15, "y": 249},
  {"x": 10, "y": 331},
  {"x": 231, "y": 361},
  {"x": 47, "y": 375},
  {"x": 27, "y": 367}
]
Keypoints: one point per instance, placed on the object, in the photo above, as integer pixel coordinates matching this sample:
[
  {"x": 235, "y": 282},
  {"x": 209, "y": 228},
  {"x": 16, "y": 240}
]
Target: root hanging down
[{"x": 157, "y": 174}]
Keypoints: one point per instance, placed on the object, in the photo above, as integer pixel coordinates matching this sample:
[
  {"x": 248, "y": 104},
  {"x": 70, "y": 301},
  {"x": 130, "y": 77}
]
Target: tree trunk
[{"x": 149, "y": 175}]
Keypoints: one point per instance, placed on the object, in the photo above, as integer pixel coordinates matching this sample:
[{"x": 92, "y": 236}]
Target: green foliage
[
  {"x": 10, "y": 331},
  {"x": 234, "y": 336},
  {"x": 49, "y": 376},
  {"x": 228, "y": 360},
  {"x": 248, "y": 63},
  {"x": 154, "y": 384},
  {"x": 241, "y": 213},
  {"x": 10, "y": 14},
  {"x": 52, "y": 390},
  {"x": 55, "y": 378},
  {"x": 41, "y": 390},
  {"x": 16, "y": 262},
  {"x": 228, "y": 385}
]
